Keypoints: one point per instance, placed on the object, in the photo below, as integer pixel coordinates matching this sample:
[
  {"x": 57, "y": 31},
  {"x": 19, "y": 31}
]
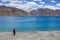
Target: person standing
[{"x": 14, "y": 32}]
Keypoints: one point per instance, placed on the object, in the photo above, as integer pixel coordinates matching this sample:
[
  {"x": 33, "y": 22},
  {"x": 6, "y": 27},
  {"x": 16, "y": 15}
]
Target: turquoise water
[{"x": 29, "y": 23}]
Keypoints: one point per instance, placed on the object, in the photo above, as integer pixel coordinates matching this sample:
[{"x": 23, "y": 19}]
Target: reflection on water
[{"x": 29, "y": 23}]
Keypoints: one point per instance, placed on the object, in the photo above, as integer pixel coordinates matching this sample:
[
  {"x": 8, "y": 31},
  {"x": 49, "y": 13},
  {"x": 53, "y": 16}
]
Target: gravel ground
[{"x": 36, "y": 35}]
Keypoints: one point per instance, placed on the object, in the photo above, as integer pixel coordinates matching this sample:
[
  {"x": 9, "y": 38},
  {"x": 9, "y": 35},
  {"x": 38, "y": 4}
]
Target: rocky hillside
[
  {"x": 45, "y": 12},
  {"x": 9, "y": 11}
]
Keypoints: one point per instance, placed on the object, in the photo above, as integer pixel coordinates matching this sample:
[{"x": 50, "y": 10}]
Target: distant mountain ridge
[
  {"x": 45, "y": 12},
  {"x": 10, "y": 11}
]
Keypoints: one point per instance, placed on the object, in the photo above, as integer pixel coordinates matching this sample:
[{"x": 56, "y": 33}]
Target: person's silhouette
[{"x": 14, "y": 31}]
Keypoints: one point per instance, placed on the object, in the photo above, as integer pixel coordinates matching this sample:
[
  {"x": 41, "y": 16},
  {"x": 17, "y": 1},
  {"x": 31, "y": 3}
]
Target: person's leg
[{"x": 14, "y": 33}]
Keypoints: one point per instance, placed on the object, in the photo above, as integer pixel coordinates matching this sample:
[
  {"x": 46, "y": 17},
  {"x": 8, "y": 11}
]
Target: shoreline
[{"x": 36, "y": 35}]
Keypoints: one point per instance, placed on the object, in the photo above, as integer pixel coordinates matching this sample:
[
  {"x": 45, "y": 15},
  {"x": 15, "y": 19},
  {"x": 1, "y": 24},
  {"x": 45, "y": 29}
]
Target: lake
[{"x": 29, "y": 23}]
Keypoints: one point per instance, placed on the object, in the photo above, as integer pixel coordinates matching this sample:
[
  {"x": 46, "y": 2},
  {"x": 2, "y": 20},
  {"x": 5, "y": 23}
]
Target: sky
[{"x": 31, "y": 4}]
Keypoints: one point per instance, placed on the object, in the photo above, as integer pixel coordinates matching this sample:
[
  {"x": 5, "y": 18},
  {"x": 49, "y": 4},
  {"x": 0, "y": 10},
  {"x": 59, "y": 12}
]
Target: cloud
[
  {"x": 14, "y": 3},
  {"x": 58, "y": 5},
  {"x": 42, "y": 3},
  {"x": 37, "y": 0},
  {"x": 53, "y": 1},
  {"x": 30, "y": 4},
  {"x": 50, "y": 7},
  {"x": 25, "y": 1},
  {"x": 23, "y": 4},
  {"x": 6, "y": 0},
  {"x": 19, "y": 4}
]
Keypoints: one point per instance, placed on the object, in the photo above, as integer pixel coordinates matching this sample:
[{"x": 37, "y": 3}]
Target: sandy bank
[{"x": 37, "y": 35}]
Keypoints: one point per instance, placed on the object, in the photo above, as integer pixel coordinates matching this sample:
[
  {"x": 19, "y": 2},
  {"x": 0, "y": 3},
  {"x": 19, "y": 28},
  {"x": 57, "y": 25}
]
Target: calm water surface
[{"x": 29, "y": 23}]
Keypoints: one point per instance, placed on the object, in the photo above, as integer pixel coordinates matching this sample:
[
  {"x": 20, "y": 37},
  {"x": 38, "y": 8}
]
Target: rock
[{"x": 42, "y": 39}]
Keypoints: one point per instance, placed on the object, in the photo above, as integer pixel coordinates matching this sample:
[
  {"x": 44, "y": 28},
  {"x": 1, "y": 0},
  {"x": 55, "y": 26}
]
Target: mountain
[
  {"x": 10, "y": 11},
  {"x": 45, "y": 12},
  {"x": 57, "y": 12}
]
